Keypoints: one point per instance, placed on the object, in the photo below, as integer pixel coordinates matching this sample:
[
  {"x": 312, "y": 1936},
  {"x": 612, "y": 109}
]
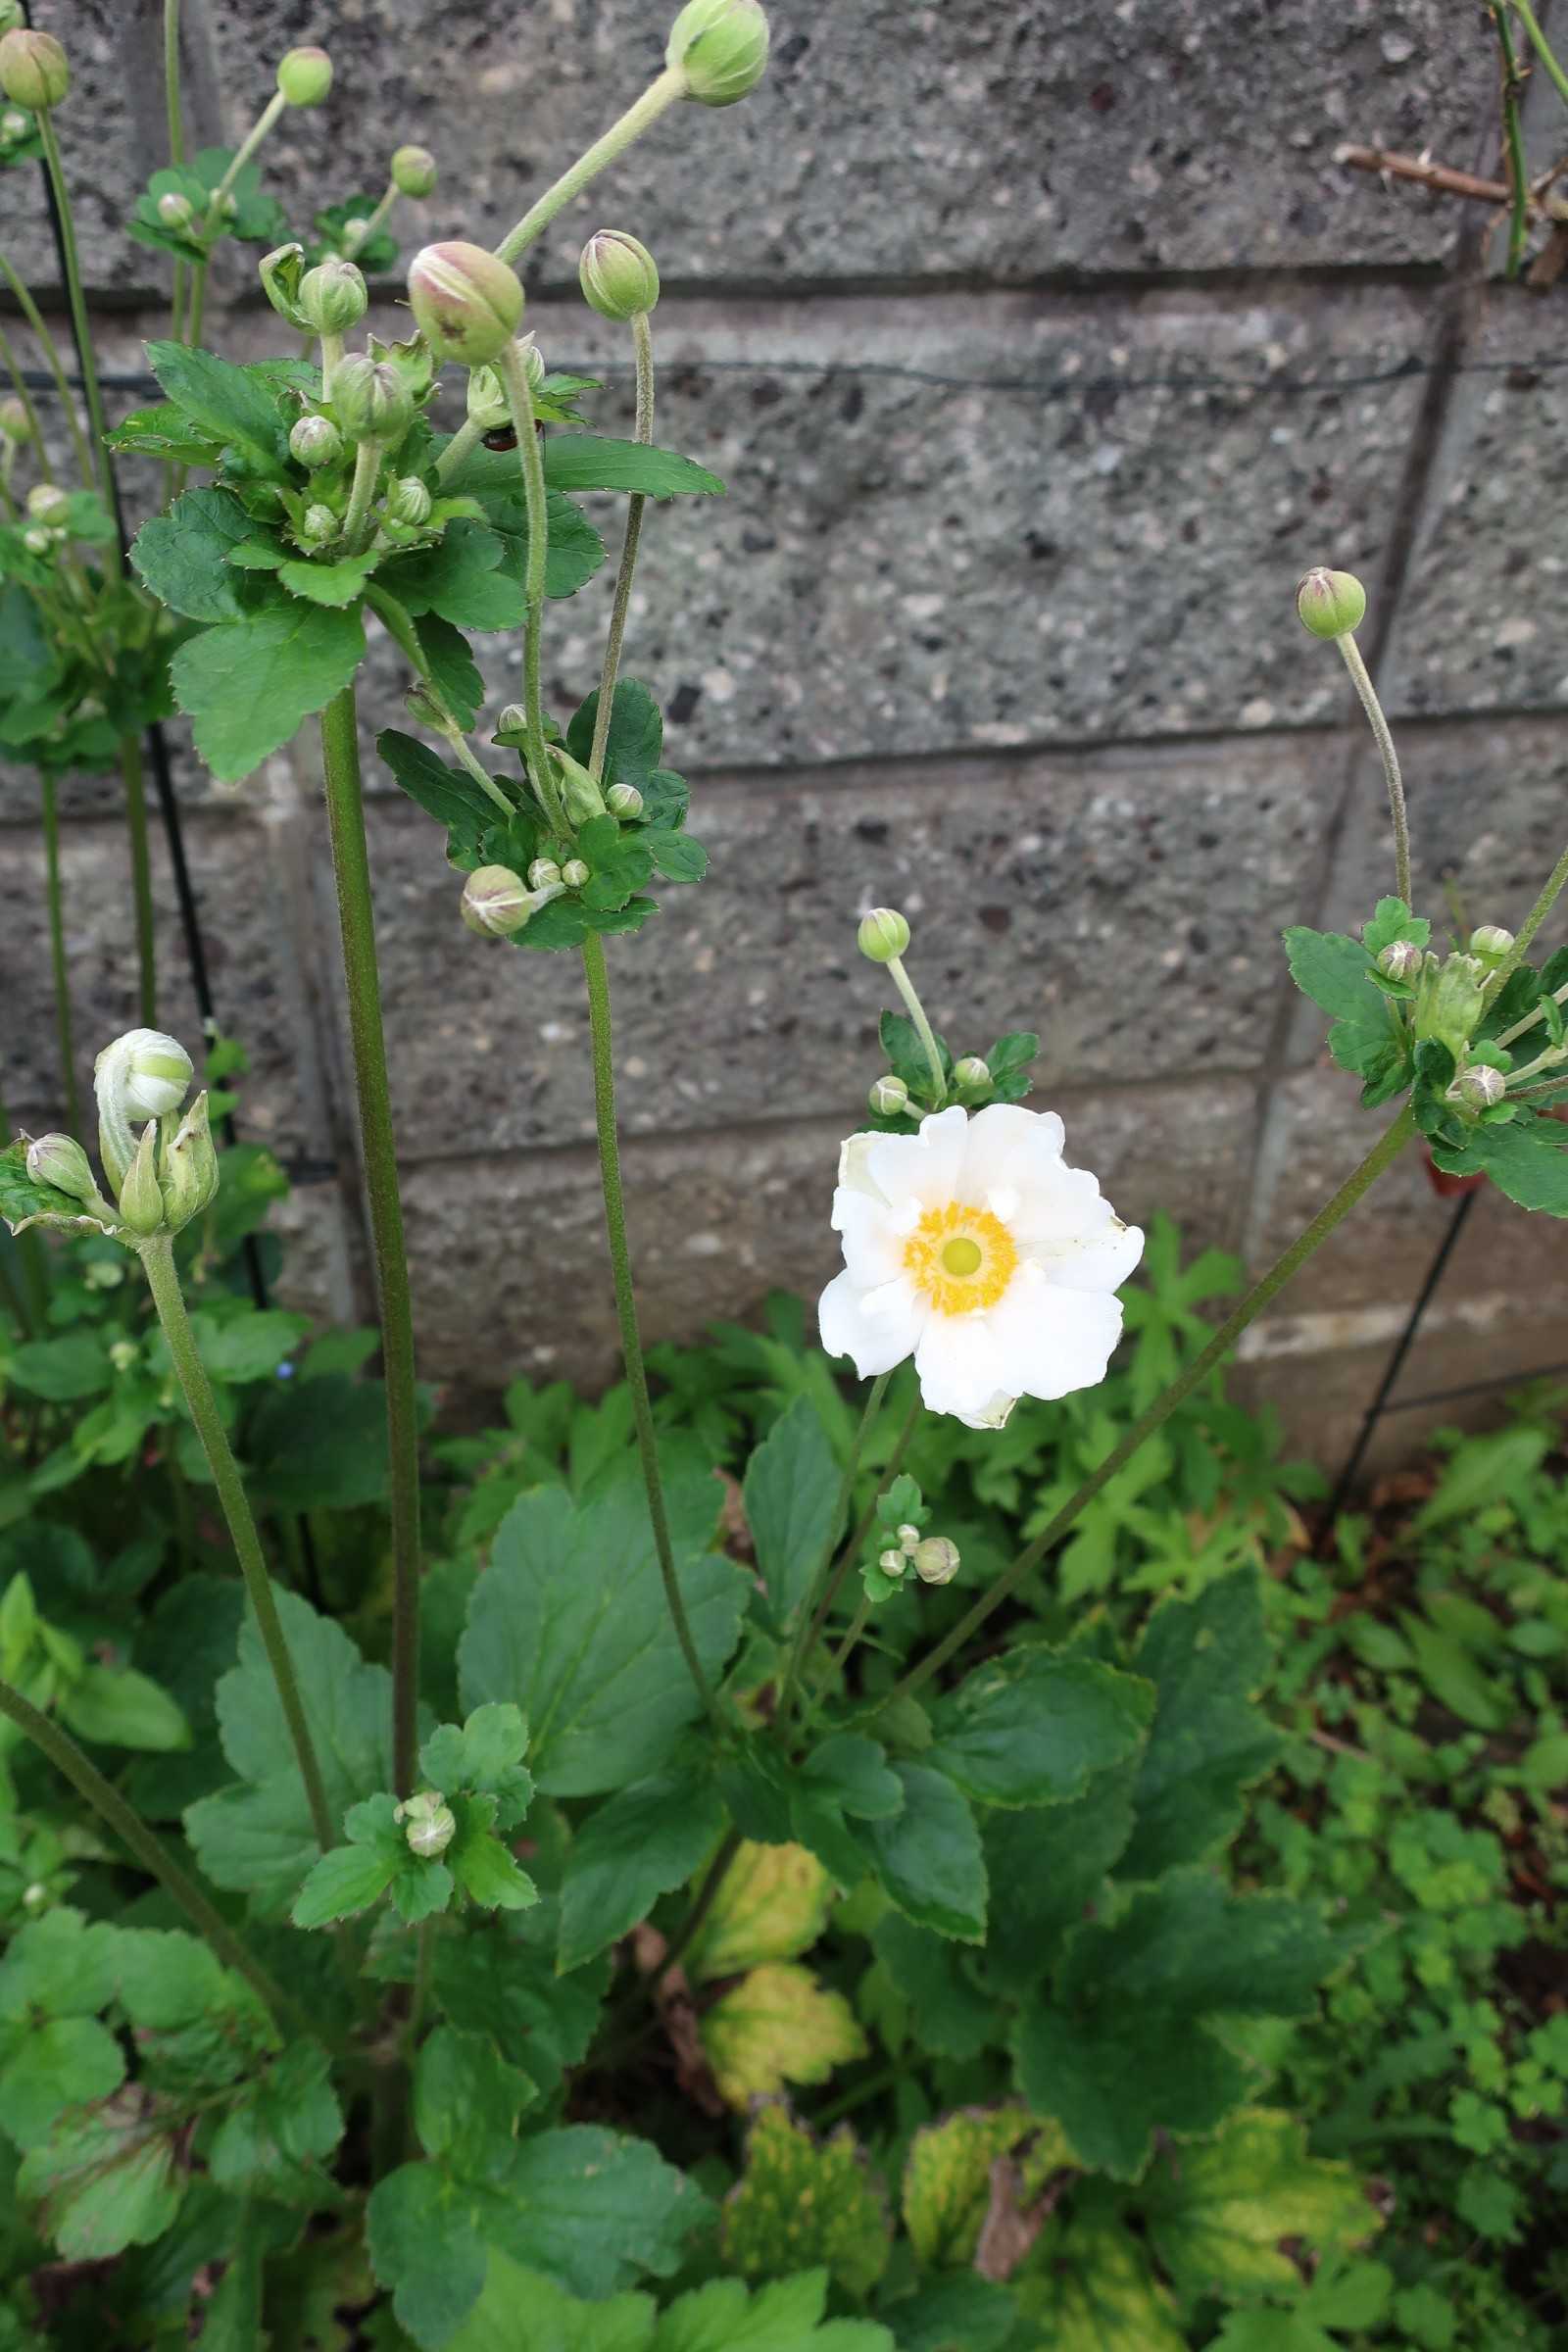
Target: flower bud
[
  {"x": 575, "y": 873},
  {"x": 468, "y": 304},
  {"x": 33, "y": 72},
  {"x": 888, "y": 1097},
  {"x": 60, "y": 1160},
  {"x": 141, "y": 1200},
  {"x": 372, "y": 401},
  {"x": 936, "y": 1560},
  {"x": 15, "y": 424},
  {"x": 413, "y": 171},
  {"x": 972, "y": 1076},
  {"x": 124, "y": 1355},
  {"x": 332, "y": 298},
  {"x": 1449, "y": 1008},
  {"x": 892, "y": 1563},
  {"x": 429, "y": 1824},
  {"x": 175, "y": 211},
  {"x": 409, "y": 502},
  {"x": 48, "y": 503},
  {"x": 280, "y": 271},
  {"x": 318, "y": 524},
  {"x": 1491, "y": 942},
  {"x": 580, "y": 794},
  {"x": 495, "y": 902},
  {"x": 883, "y": 935},
  {"x": 1478, "y": 1088},
  {"x": 623, "y": 800},
  {"x": 544, "y": 874},
  {"x": 315, "y": 442},
  {"x": 618, "y": 275},
  {"x": 15, "y": 126},
  {"x": 721, "y": 46},
  {"x": 1331, "y": 604},
  {"x": 356, "y": 228},
  {"x": 533, "y": 361},
  {"x": 305, "y": 76},
  {"x": 38, "y": 541},
  {"x": 1402, "y": 960},
  {"x": 190, "y": 1171},
  {"x": 909, "y": 1535},
  {"x": 151, "y": 1071},
  {"x": 226, "y": 205},
  {"x": 487, "y": 403}
]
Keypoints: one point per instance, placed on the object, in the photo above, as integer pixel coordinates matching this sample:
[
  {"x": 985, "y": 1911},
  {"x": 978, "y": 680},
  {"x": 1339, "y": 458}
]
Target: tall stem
[
  {"x": 463, "y": 442},
  {"x": 367, "y": 473},
  {"x": 51, "y": 359},
  {"x": 1362, "y": 682},
  {"x": 643, "y": 340},
  {"x": 150, "y": 1851},
  {"x": 1538, "y": 41},
  {"x": 245, "y": 150},
  {"x": 863, "y": 1528},
  {"x": 141, "y": 879},
  {"x": 598, "y": 979},
  {"x": 57, "y": 951},
  {"x": 807, "y": 1626},
  {"x": 351, "y": 866},
  {"x": 654, "y": 100},
  {"x": 923, "y": 1027},
  {"x": 34, "y": 1309},
  {"x": 1550, "y": 891},
  {"x": 78, "y": 318},
  {"x": 158, "y": 1258},
  {"x": 176, "y": 124},
  {"x": 1513, "y": 141},
  {"x": 18, "y": 385},
  {"x": 515, "y": 375},
  {"x": 1381, "y": 1157}
]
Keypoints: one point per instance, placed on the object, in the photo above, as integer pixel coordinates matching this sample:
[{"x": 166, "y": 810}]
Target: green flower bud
[
  {"x": 356, "y": 228},
  {"x": 372, "y": 401},
  {"x": 972, "y": 1076},
  {"x": 936, "y": 1560},
  {"x": 305, "y": 76},
  {"x": 148, "y": 1071},
  {"x": 618, "y": 275},
  {"x": 175, "y": 211},
  {"x": 60, "y": 1160},
  {"x": 226, "y": 207},
  {"x": 514, "y": 720},
  {"x": 280, "y": 272},
  {"x": 1331, "y": 604},
  {"x": 1402, "y": 960},
  {"x": 909, "y": 1535},
  {"x": 495, "y": 902},
  {"x": 315, "y": 442},
  {"x": 408, "y": 501},
  {"x": 318, "y": 524},
  {"x": 883, "y": 934},
  {"x": 544, "y": 874},
  {"x": 190, "y": 1171},
  {"x": 429, "y": 1824},
  {"x": 38, "y": 541},
  {"x": 468, "y": 304},
  {"x": 487, "y": 404},
  {"x": 888, "y": 1097},
  {"x": 721, "y": 46},
  {"x": 14, "y": 125},
  {"x": 141, "y": 1200},
  {"x": 1449, "y": 1004},
  {"x": 48, "y": 503},
  {"x": 579, "y": 793},
  {"x": 1491, "y": 942},
  {"x": 624, "y": 801},
  {"x": 33, "y": 72},
  {"x": 575, "y": 873},
  {"x": 1478, "y": 1088},
  {"x": 533, "y": 361},
  {"x": 14, "y": 422},
  {"x": 332, "y": 298},
  {"x": 892, "y": 1563},
  {"x": 413, "y": 171}
]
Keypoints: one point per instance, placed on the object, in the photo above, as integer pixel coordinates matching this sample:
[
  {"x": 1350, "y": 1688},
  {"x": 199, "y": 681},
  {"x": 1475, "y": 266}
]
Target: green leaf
[
  {"x": 104, "y": 2180},
  {"x": 452, "y": 666},
  {"x": 499, "y": 1979},
  {"x": 933, "y": 1975},
  {"x": 569, "y": 1621},
  {"x": 342, "y": 582},
  {"x": 1219, "y": 2212},
  {"x": 272, "y": 2144},
  {"x": 621, "y": 2324},
  {"x": 574, "y": 552},
  {"x": 246, "y": 686},
  {"x": 791, "y": 1497},
  {"x": 231, "y": 404},
  {"x": 1207, "y": 1659},
  {"x": 448, "y": 793},
  {"x": 590, "y": 462},
  {"x": 1527, "y": 1159},
  {"x": 485, "y": 1757},
  {"x": 114, "y": 1706},
  {"x": 61, "y": 1370},
  {"x": 928, "y": 1858},
  {"x": 635, "y": 739},
  {"x": 46, "y": 2066},
  {"x": 182, "y": 555},
  {"x": 29, "y": 662},
  {"x": 639, "y": 1844},
  {"x": 1124, "y": 2048},
  {"x": 1333, "y": 971},
  {"x": 351, "y": 1878},
  {"x": 467, "y": 2100},
  {"x": 482, "y": 1864},
  {"x": 1033, "y": 1727},
  {"x": 957, "y": 2313},
  {"x": 1086, "y": 2288},
  {"x": 163, "y": 432},
  {"x": 724, "y": 2316},
  {"x": 459, "y": 578},
  {"x": 946, "y": 2180},
  {"x": 676, "y": 856},
  {"x": 1046, "y": 1867},
  {"x": 319, "y": 1445},
  {"x": 1393, "y": 920},
  {"x": 771, "y": 1904},
  {"x": 802, "y": 2201}
]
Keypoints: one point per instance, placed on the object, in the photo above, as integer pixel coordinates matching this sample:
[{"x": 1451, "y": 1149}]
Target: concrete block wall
[{"x": 1042, "y": 347}]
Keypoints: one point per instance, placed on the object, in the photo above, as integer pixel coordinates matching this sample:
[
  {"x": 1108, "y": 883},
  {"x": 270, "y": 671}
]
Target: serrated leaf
[
  {"x": 182, "y": 555},
  {"x": 484, "y": 1756},
  {"x": 235, "y": 407},
  {"x": 246, "y": 686},
  {"x": 1527, "y": 1159},
  {"x": 1033, "y": 1727},
  {"x": 634, "y": 742},
  {"x": 104, "y": 2180},
  {"x": 778, "y": 2025},
  {"x": 1046, "y": 1867},
  {"x": 574, "y": 552},
  {"x": 342, "y": 582},
  {"x": 639, "y": 1844},
  {"x": 676, "y": 857},
  {"x": 344, "y": 1882},
  {"x": 929, "y": 1858},
  {"x": 726, "y": 2315},
  {"x": 115, "y": 1706},
  {"x": 460, "y": 579},
  {"x": 772, "y": 1903},
  {"x": 499, "y": 1979},
  {"x": 272, "y": 2143},
  {"x": 1088, "y": 2288},
  {"x": 467, "y": 2100},
  {"x": 801, "y": 2201},
  {"x": 791, "y": 1497},
  {"x": 480, "y": 1864},
  {"x": 932, "y": 1974},
  {"x": 1219, "y": 2215},
  {"x": 24, "y": 1203},
  {"x": 1393, "y": 920},
  {"x": 448, "y": 793},
  {"x": 946, "y": 2180},
  {"x": 50, "y": 2064},
  {"x": 591, "y": 461}
]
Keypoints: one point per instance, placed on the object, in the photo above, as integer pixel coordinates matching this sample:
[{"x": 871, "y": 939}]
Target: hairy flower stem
[
  {"x": 643, "y": 339},
  {"x": 515, "y": 375},
  {"x": 141, "y": 879},
  {"x": 598, "y": 978},
  {"x": 1538, "y": 41},
  {"x": 923, "y": 1027},
  {"x": 810, "y": 1624},
  {"x": 244, "y": 151},
  {"x": 463, "y": 442},
  {"x": 112, "y": 559},
  {"x": 857, "y": 1627},
  {"x": 367, "y": 473},
  {"x": 1550, "y": 891},
  {"x": 57, "y": 951},
  {"x": 163, "y": 1279},
  {"x": 658, "y": 96},
  {"x": 351, "y": 866},
  {"x": 868, "y": 1519},
  {"x": 132, "y": 1832},
  {"x": 52, "y": 360},
  {"x": 1381, "y": 1157},
  {"x": 1513, "y": 139},
  {"x": 176, "y": 123},
  {"x": 1360, "y": 678}
]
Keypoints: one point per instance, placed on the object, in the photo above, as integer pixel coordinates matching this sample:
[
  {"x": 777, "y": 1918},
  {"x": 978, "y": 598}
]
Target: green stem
[
  {"x": 57, "y": 951},
  {"x": 367, "y": 473},
  {"x": 515, "y": 375},
  {"x": 79, "y": 322},
  {"x": 33, "y": 1310},
  {"x": 658, "y": 96},
  {"x": 245, "y": 150},
  {"x": 1538, "y": 41},
  {"x": 851, "y": 1553},
  {"x": 158, "y": 1259},
  {"x": 598, "y": 979},
  {"x": 477, "y": 770},
  {"x": 127, "y": 1825},
  {"x": 1513, "y": 137},
  {"x": 1381, "y": 1157},
  {"x": 18, "y": 385},
  {"x": 198, "y": 302},
  {"x": 643, "y": 339},
  {"x": 1550, "y": 891},
  {"x": 141, "y": 879},
  {"x": 923, "y": 1027},
  {"x": 1530, "y": 1020},
  {"x": 351, "y": 866},
  {"x": 701, "y": 1902},
  {"x": 1362, "y": 682},
  {"x": 51, "y": 359},
  {"x": 331, "y": 361},
  {"x": 372, "y": 222},
  {"x": 462, "y": 443},
  {"x": 858, "y": 1625},
  {"x": 176, "y": 126},
  {"x": 808, "y": 1625}
]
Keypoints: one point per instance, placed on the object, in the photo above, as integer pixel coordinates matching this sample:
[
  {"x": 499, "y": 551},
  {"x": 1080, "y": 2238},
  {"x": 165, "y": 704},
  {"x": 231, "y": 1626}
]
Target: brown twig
[{"x": 1444, "y": 181}]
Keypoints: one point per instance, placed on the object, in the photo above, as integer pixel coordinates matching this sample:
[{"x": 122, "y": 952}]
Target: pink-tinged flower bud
[
  {"x": 315, "y": 442},
  {"x": 889, "y": 1098},
  {"x": 305, "y": 76},
  {"x": 721, "y": 47},
  {"x": 467, "y": 303},
  {"x": 936, "y": 1560},
  {"x": 1331, "y": 604},
  {"x": 892, "y": 1563},
  {"x": 33, "y": 72},
  {"x": 1403, "y": 961},
  {"x": 370, "y": 399},
  {"x": 413, "y": 171},
  {"x": 495, "y": 902},
  {"x": 618, "y": 275},
  {"x": 332, "y": 297},
  {"x": 883, "y": 935}
]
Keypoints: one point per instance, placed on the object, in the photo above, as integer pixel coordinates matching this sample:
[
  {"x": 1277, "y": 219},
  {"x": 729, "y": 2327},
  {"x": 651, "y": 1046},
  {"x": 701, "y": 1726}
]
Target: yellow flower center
[{"x": 962, "y": 1258}]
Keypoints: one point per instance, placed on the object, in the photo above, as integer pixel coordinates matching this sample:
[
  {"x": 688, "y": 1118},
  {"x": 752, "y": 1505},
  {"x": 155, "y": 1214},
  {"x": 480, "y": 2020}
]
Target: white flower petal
[
  {"x": 914, "y": 1172},
  {"x": 1100, "y": 1261},
  {"x": 1048, "y": 1340},
  {"x": 872, "y": 1251},
  {"x": 1005, "y": 1145},
  {"x": 958, "y": 1364},
  {"x": 853, "y": 1174},
  {"x": 875, "y": 1329},
  {"x": 995, "y": 1415}
]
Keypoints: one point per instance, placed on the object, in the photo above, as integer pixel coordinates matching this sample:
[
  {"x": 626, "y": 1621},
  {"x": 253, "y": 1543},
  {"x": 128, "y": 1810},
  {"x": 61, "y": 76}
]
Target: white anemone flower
[{"x": 975, "y": 1249}]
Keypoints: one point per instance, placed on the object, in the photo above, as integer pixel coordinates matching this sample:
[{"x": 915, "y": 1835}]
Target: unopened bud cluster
[
  {"x": 429, "y": 1824},
  {"x": 159, "y": 1179},
  {"x": 934, "y": 1558}
]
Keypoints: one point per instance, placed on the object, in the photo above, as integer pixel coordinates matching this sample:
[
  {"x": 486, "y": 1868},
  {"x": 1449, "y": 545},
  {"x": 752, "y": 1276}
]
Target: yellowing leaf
[
  {"x": 773, "y": 1903},
  {"x": 800, "y": 2202},
  {"x": 778, "y": 2025},
  {"x": 1217, "y": 2216},
  {"x": 947, "y": 2181},
  {"x": 1086, "y": 2288}
]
